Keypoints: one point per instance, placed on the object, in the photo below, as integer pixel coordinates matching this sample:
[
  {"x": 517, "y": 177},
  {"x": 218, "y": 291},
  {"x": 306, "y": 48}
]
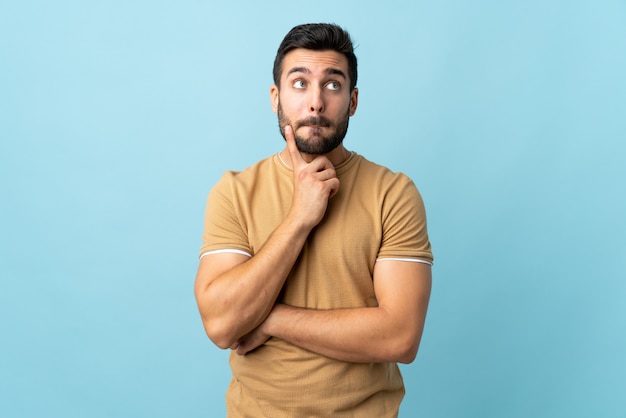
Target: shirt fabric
[{"x": 376, "y": 214}]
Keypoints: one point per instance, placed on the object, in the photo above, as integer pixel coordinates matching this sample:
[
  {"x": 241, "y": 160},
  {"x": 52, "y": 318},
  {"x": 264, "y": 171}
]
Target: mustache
[{"x": 315, "y": 121}]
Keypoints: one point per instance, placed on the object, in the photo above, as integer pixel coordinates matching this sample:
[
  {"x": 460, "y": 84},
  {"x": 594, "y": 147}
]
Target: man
[{"x": 315, "y": 267}]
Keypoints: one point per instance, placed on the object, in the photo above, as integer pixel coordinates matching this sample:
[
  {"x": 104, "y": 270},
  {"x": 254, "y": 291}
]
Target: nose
[{"x": 316, "y": 101}]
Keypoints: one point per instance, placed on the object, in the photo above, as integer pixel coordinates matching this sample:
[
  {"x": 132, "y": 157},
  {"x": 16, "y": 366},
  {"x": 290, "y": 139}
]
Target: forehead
[{"x": 314, "y": 61}]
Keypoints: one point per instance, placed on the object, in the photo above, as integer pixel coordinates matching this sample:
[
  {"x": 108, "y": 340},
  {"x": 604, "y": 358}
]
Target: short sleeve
[
  {"x": 405, "y": 233},
  {"x": 223, "y": 228}
]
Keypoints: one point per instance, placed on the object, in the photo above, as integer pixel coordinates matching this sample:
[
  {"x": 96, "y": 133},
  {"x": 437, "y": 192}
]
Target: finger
[
  {"x": 334, "y": 188},
  {"x": 326, "y": 173},
  {"x": 334, "y": 184},
  {"x": 321, "y": 164},
  {"x": 323, "y": 170},
  {"x": 294, "y": 154}
]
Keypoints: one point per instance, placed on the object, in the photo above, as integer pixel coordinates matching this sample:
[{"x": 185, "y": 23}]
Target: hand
[
  {"x": 314, "y": 183},
  {"x": 251, "y": 341}
]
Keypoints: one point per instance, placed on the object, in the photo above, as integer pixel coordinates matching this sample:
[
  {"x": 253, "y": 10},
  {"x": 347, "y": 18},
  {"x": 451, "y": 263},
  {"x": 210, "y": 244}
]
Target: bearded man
[{"x": 315, "y": 267}]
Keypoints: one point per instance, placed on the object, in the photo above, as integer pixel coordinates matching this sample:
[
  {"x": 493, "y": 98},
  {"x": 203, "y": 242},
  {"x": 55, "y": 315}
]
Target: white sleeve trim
[
  {"x": 410, "y": 260},
  {"x": 228, "y": 250}
]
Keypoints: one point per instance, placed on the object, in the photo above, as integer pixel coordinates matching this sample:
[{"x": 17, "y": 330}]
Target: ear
[
  {"x": 274, "y": 97},
  {"x": 354, "y": 101}
]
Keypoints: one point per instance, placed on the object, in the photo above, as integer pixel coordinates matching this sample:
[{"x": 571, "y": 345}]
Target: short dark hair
[{"x": 317, "y": 37}]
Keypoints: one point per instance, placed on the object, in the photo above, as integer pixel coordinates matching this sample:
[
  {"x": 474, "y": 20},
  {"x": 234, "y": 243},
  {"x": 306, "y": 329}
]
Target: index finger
[{"x": 294, "y": 154}]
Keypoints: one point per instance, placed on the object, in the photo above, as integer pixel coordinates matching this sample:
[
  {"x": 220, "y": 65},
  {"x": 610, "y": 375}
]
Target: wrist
[
  {"x": 298, "y": 223},
  {"x": 271, "y": 325}
]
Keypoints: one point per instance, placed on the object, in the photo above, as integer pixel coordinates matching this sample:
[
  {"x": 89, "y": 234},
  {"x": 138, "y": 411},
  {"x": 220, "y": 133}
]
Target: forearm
[
  {"x": 241, "y": 297},
  {"x": 367, "y": 335}
]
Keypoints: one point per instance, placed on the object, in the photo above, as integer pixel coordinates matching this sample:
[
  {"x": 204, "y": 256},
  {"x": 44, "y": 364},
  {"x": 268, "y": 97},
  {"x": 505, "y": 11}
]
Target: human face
[{"x": 315, "y": 99}]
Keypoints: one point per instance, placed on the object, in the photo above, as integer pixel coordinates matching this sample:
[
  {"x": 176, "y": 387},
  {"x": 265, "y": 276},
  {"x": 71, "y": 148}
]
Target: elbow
[
  {"x": 216, "y": 327},
  {"x": 407, "y": 356},
  {"x": 406, "y": 342},
  {"x": 219, "y": 334},
  {"x": 406, "y": 350}
]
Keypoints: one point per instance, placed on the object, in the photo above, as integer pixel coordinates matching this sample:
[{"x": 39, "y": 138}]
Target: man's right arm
[{"x": 234, "y": 292}]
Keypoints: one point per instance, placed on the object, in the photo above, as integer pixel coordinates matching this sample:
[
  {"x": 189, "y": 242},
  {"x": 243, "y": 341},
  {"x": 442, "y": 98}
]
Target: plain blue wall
[{"x": 116, "y": 118}]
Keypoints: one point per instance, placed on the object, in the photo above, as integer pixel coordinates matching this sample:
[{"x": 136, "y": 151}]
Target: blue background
[{"x": 116, "y": 118}]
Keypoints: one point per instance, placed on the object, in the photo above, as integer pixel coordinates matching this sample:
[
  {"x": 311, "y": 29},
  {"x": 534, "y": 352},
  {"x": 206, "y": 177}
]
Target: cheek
[
  {"x": 290, "y": 109},
  {"x": 291, "y": 103}
]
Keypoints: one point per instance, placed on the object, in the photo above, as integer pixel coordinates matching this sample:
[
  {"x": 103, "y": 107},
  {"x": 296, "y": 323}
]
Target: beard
[{"x": 316, "y": 144}]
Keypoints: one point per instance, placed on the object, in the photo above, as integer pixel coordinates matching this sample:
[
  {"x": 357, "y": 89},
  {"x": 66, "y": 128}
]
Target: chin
[{"x": 320, "y": 146}]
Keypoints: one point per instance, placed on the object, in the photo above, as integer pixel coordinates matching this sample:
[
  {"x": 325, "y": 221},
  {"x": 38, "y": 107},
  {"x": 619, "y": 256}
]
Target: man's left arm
[{"x": 390, "y": 332}]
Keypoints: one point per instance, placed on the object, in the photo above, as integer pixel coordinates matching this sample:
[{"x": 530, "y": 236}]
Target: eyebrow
[{"x": 329, "y": 71}]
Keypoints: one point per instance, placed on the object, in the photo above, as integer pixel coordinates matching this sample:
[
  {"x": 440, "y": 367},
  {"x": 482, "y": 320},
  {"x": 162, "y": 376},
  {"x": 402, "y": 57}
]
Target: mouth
[
  {"x": 315, "y": 123},
  {"x": 314, "y": 129}
]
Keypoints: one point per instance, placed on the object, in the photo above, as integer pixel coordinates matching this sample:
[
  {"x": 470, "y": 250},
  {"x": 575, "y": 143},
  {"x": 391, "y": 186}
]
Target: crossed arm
[
  {"x": 389, "y": 332},
  {"x": 236, "y": 294}
]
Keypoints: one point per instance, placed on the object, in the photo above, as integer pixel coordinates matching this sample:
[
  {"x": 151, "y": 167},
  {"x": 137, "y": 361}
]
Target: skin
[{"x": 236, "y": 294}]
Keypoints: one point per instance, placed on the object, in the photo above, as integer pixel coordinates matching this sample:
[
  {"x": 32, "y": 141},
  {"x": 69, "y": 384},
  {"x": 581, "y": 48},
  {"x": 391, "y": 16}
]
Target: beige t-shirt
[{"x": 376, "y": 214}]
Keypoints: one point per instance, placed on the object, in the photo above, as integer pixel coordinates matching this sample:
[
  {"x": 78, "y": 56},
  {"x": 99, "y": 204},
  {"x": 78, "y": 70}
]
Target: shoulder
[
  {"x": 250, "y": 171},
  {"x": 248, "y": 176},
  {"x": 381, "y": 176}
]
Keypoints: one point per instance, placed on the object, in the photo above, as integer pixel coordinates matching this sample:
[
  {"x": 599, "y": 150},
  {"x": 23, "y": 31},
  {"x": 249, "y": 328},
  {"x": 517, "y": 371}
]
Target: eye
[
  {"x": 299, "y": 84},
  {"x": 333, "y": 85}
]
